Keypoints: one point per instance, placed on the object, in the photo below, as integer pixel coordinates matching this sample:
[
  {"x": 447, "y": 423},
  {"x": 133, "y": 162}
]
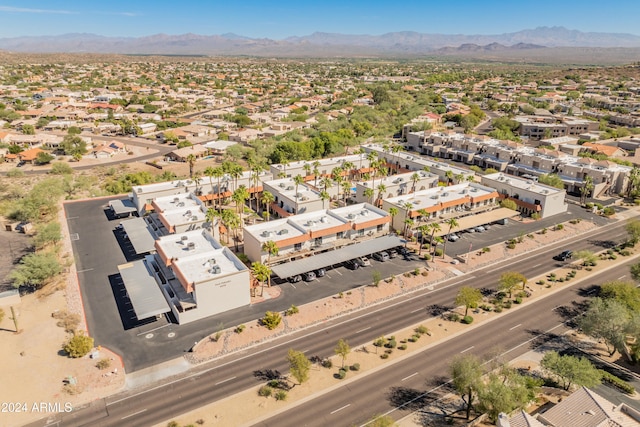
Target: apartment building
[
  {"x": 441, "y": 203},
  {"x": 539, "y": 127},
  {"x": 530, "y": 196},
  {"x": 319, "y": 231},
  {"x": 144, "y": 195},
  {"x": 323, "y": 166},
  {"x": 180, "y": 213},
  {"x": 291, "y": 198},
  {"x": 394, "y": 185},
  {"x": 199, "y": 277}
]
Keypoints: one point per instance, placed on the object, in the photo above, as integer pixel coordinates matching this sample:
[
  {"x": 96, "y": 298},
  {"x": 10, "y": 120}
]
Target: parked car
[
  {"x": 364, "y": 261},
  {"x": 381, "y": 256},
  {"x": 295, "y": 279},
  {"x": 452, "y": 237},
  {"x": 564, "y": 255},
  {"x": 320, "y": 272},
  {"x": 393, "y": 253},
  {"x": 479, "y": 229},
  {"x": 487, "y": 226},
  {"x": 402, "y": 250},
  {"x": 352, "y": 264},
  {"x": 503, "y": 221},
  {"x": 309, "y": 276}
]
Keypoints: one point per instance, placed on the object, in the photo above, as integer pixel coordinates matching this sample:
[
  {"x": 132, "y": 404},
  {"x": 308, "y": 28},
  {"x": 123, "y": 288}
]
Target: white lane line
[
  {"x": 86, "y": 269},
  {"x": 340, "y": 409},
  {"x": 338, "y": 272},
  {"x": 293, "y": 286},
  {"x": 412, "y": 375},
  {"x": 622, "y": 277},
  {"x": 72, "y": 217},
  {"x": 131, "y": 415},
  {"x": 154, "y": 329},
  {"x": 415, "y": 311},
  {"x": 537, "y": 265},
  {"x": 467, "y": 349},
  {"x": 518, "y": 325},
  {"x": 592, "y": 291},
  {"x": 362, "y": 330},
  {"x": 224, "y": 381},
  {"x": 328, "y": 277}
]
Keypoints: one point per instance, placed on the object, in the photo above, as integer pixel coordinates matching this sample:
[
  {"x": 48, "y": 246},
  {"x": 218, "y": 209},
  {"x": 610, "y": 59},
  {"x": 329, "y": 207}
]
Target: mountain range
[{"x": 406, "y": 43}]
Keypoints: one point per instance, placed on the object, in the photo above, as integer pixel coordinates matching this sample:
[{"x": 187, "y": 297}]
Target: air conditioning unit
[
  {"x": 183, "y": 238},
  {"x": 283, "y": 231},
  {"x": 215, "y": 269},
  {"x": 323, "y": 219},
  {"x": 290, "y": 188},
  {"x": 191, "y": 246},
  {"x": 176, "y": 200}
]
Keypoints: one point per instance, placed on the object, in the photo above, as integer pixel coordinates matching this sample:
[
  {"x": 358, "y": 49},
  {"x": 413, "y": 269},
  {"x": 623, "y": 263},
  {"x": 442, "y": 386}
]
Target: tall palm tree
[
  {"x": 285, "y": 163},
  {"x": 381, "y": 189},
  {"x": 452, "y": 223},
  {"x": 424, "y": 215},
  {"x": 218, "y": 173},
  {"x": 209, "y": 172},
  {"x": 393, "y": 211},
  {"x": 348, "y": 166},
  {"x": 368, "y": 193},
  {"x": 210, "y": 216},
  {"x": 435, "y": 227},
  {"x": 271, "y": 248},
  {"x": 396, "y": 149},
  {"x": 408, "y": 224},
  {"x": 298, "y": 179},
  {"x": 267, "y": 199},
  {"x": 262, "y": 273},
  {"x": 307, "y": 169},
  {"x": 415, "y": 177},
  {"x": 324, "y": 196},
  {"x": 239, "y": 197},
  {"x": 316, "y": 172},
  {"x": 459, "y": 177},
  {"x": 256, "y": 169},
  {"x": 449, "y": 175},
  {"x": 235, "y": 172},
  {"x": 423, "y": 229},
  {"x": 346, "y": 190},
  {"x": 191, "y": 159}
]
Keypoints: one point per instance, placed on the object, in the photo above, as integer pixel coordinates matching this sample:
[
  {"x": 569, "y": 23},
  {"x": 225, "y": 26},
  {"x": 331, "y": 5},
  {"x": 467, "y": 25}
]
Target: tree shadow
[
  {"x": 436, "y": 310},
  {"x": 589, "y": 291},
  {"x": 542, "y": 338},
  {"x": 407, "y": 398},
  {"x": 268, "y": 374},
  {"x": 487, "y": 292},
  {"x": 607, "y": 244}
]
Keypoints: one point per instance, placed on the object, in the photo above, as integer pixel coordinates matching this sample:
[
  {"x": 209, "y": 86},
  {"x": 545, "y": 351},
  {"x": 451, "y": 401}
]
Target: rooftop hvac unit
[
  {"x": 364, "y": 212},
  {"x": 266, "y": 233},
  {"x": 289, "y": 188},
  {"x": 445, "y": 194},
  {"x": 176, "y": 200},
  {"x": 139, "y": 190},
  {"x": 474, "y": 190},
  {"x": 187, "y": 213},
  {"x": 191, "y": 245},
  {"x": 323, "y": 219},
  {"x": 212, "y": 261},
  {"x": 183, "y": 238},
  {"x": 194, "y": 218},
  {"x": 281, "y": 185},
  {"x": 283, "y": 231},
  {"x": 215, "y": 269},
  {"x": 351, "y": 216}
]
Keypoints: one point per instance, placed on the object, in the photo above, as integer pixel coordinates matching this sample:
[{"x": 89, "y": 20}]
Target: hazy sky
[{"x": 279, "y": 19}]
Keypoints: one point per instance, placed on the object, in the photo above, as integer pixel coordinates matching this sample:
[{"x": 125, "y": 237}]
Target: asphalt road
[
  {"x": 240, "y": 371},
  {"x": 419, "y": 376}
]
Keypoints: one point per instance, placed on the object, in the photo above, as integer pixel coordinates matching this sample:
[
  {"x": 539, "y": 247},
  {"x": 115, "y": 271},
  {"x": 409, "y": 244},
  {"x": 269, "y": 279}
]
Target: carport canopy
[
  {"x": 471, "y": 221},
  {"x": 122, "y": 207},
  {"x": 139, "y": 235},
  {"x": 337, "y": 256},
  {"x": 144, "y": 293}
]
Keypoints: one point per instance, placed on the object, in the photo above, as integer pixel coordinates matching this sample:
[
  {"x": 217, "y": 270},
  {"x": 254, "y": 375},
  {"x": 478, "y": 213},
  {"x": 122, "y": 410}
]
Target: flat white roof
[
  {"x": 178, "y": 246},
  {"x": 184, "y": 215},
  {"x": 163, "y": 186},
  {"x": 332, "y": 161},
  {"x": 435, "y": 196},
  {"x": 402, "y": 178},
  {"x": 361, "y": 212},
  {"x": 286, "y": 187},
  {"x": 522, "y": 183},
  {"x": 273, "y": 230},
  {"x": 318, "y": 220},
  {"x": 182, "y": 201},
  {"x": 201, "y": 267}
]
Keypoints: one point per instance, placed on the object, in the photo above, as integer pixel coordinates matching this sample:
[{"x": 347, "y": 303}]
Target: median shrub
[
  {"x": 355, "y": 367},
  {"x": 265, "y": 391},
  {"x": 467, "y": 319},
  {"x": 617, "y": 382},
  {"x": 281, "y": 395}
]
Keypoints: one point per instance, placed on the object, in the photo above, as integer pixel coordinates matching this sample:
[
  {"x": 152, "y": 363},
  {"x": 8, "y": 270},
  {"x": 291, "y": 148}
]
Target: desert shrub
[
  {"x": 518, "y": 300},
  {"x": 274, "y": 383},
  {"x": 281, "y": 395},
  {"x": 265, "y": 391},
  {"x": 379, "y": 342},
  {"x": 239, "y": 329},
  {"x": 507, "y": 304},
  {"x": 438, "y": 252},
  {"x": 355, "y": 367},
  {"x": 454, "y": 317},
  {"x": 342, "y": 373},
  {"x": 384, "y": 356},
  {"x": 78, "y": 345},
  {"x": 617, "y": 382},
  {"x": 511, "y": 245},
  {"x": 559, "y": 227},
  {"x": 402, "y": 347},
  {"x": 421, "y": 330},
  {"x": 327, "y": 363},
  {"x": 486, "y": 307},
  {"x": 72, "y": 389},
  {"x": 540, "y": 282},
  {"x": 292, "y": 310},
  {"x": 467, "y": 319},
  {"x": 66, "y": 320},
  {"x": 391, "y": 343},
  {"x": 536, "y": 216},
  {"x": 271, "y": 320},
  {"x": 486, "y": 249},
  {"x": 103, "y": 363},
  {"x": 425, "y": 273}
]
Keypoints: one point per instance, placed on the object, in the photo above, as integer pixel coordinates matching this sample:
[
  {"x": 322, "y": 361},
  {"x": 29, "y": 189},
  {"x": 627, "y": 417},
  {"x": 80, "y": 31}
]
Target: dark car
[
  {"x": 320, "y": 272},
  {"x": 564, "y": 255},
  {"x": 309, "y": 276},
  {"x": 352, "y": 264},
  {"x": 393, "y": 253},
  {"x": 295, "y": 279}
]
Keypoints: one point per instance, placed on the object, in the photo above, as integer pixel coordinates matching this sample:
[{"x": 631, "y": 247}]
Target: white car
[{"x": 453, "y": 237}]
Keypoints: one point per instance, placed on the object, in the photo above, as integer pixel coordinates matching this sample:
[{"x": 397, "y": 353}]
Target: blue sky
[{"x": 277, "y": 19}]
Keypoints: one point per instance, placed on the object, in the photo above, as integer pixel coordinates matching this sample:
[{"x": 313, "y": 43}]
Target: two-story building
[{"x": 394, "y": 185}]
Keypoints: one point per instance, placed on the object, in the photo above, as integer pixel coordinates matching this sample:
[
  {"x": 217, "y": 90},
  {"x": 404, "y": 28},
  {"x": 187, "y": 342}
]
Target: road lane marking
[
  {"x": 131, "y": 415},
  {"x": 293, "y": 286},
  {"x": 224, "y": 381},
  {"x": 338, "y": 272},
  {"x": 154, "y": 329},
  {"x": 518, "y": 325},
  {"x": 412, "y": 375},
  {"x": 362, "y": 330},
  {"x": 467, "y": 349},
  {"x": 537, "y": 265},
  {"x": 415, "y": 311},
  {"x": 340, "y": 409},
  {"x": 72, "y": 217},
  {"x": 622, "y": 277},
  {"x": 86, "y": 269}
]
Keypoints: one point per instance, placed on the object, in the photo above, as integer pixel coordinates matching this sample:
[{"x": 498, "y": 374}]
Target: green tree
[
  {"x": 635, "y": 272},
  {"x": 510, "y": 281},
  {"x": 35, "y": 270},
  {"x": 47, "y": 234},
  {"x": 571, "y": 370},
  {"x": 42, "y": 158},
  {"x": 466, "y": 374},
  {"x": 469, "y": 297},
  {"x": 633, "y": 231},
  {"x": 60, "y": 168},
  {"x": 509, "y": 204},
  {"x": 74, "y": 130},
  {"x": 552, "y": 180},
  {"x": 342, "y": 349},
  {"x": 191, "y": 160},
  {"x": 28, "y": 130},
  {"x": 79, "y": 345},
  {"x": 607, "y": 320},
  {"x": 299, "y": 365},
  {"x": 271, "y": 320},
  {"x": 73, "y": 145},
  {"x": 505, "y": 390},
  {"x": 624, "y": 292},
  {"x": 588, "y": 258}
]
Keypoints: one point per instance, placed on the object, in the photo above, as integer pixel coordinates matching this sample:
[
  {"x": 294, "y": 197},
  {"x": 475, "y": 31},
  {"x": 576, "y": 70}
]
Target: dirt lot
[{"x": 13, "y": 246}]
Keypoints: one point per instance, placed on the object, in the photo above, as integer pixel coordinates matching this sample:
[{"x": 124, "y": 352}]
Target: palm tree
[
  {"x": 452, "y": 223},
  {"x": 239, "y": 197},
  {"x": 396, "y": 149},
  {"x": 381, "y": 189},
  {"x": 435, "y": 227},
  {"x": 307, "y": 169},
  {"x": 233, "y": 222},
  {"x": 271, "y": 248},
  {"x": 285, "y": 163},
  {"x": 424, "y": 215},
  {"x": 298, "y": 179},
  {"x": 235, "y": 171},
  {"x": 424, "y": 229},
  {"x": 324, "y": 196},
  {"x": 393, "y": 211},
  {"x": 267, "y": 198},
  {"x": 408, "y": 224},
  {"x": 210, "y": 216},
  {"x": 348, "y": 166},
  {"x": 316, "y": 172},
  {"x": 262, "y": 273},
  {"x": 255, "y": 177},
  {"x": 415, "y": 177},
  {"x": 191, "y": 159},
  {"x": 209, "y": 172},
  {"x": 346, "y": 190},
  {"x": 219, "y": 173},
  {"x": 459, "y": 177},
  {"x": 586, "y": 189},
  {"x": 449, "y": 175},
  {"x": 368, "y": 193}
]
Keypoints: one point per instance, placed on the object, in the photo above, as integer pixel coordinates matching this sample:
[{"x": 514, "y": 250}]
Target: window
[
  {"x": 340, "y": 235},
  {"x": 297, "y": 246},
  {"x": 318, "y": 241},
  {"x": 361, "y": 233},
  {"x": 379, "y": 228}
]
